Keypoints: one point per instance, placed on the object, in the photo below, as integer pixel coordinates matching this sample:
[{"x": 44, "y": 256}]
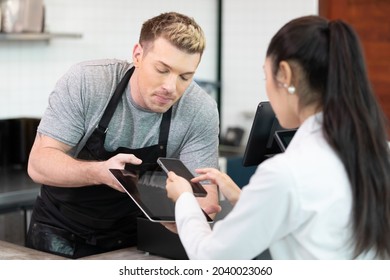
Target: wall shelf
[{"x": 37, "y": 36}]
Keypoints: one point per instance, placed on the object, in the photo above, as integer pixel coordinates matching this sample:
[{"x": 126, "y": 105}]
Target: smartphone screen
[{"x": 177, "y": 166}]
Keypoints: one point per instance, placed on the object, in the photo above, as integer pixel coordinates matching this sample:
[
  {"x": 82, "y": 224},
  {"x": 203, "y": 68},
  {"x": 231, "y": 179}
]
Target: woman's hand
[
  {"x": 226, "y": 185},
  {"x": 177, "y": 185}
]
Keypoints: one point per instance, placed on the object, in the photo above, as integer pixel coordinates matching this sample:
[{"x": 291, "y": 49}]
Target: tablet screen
[{"x": 148, "y": 193}]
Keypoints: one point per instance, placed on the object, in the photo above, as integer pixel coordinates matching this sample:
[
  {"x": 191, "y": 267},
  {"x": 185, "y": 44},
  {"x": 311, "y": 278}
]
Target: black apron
[{"x": 76, "y": 222}]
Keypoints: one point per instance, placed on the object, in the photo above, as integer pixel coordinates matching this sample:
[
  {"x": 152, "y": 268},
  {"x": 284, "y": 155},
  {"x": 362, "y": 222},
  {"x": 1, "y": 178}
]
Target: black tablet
[
  {"x": 261, "y": 144},
  {"x": 149, "y": 194}
]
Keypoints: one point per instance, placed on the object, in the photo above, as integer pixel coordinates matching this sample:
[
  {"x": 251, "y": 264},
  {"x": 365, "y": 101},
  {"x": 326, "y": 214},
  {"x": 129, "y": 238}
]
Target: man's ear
[
  {"x": 284, "y": 75},
  {"x": 137, "y": 54}
]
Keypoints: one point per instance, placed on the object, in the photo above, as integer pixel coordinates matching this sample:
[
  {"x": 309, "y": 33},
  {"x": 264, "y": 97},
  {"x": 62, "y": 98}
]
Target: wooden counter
[
  {"x": 130, "y": 253},
  {"x": 10, "y": 251}
]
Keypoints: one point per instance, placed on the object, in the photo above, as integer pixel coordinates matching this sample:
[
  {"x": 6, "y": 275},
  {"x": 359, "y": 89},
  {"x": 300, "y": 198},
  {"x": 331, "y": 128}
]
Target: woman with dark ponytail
[{"x": 328, "y": 195}]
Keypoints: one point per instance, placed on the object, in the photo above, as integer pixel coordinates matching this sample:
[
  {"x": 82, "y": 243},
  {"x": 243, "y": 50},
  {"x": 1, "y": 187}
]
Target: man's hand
[
  {"x": 116, "y": 162},
  {"x": 171, "y": 227},
  {"x": 210, "y": 203}
]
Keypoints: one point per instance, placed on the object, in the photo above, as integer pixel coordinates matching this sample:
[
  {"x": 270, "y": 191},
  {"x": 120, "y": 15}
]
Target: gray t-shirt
[{"x": 81, "y": 95}]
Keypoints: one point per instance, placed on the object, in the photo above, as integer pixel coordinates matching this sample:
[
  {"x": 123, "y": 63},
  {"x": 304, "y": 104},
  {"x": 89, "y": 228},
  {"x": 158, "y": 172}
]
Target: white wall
[
  {"x": 248, "y": 27},
  {"x": 29, "y": 70}
]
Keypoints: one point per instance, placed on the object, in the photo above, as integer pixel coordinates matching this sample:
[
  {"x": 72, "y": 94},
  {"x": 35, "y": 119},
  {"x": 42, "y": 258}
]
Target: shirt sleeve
[
  {"x": 63, "y": 119},
  {"x": 265, "y": 212},
  {"x": 199, "y": 117}
]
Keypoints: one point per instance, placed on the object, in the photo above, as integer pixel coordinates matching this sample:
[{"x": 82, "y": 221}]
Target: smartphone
[{"x": 177, "y": 166}]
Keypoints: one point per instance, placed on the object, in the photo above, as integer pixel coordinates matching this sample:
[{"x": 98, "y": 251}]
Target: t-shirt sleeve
[
  {"x": 63, "y": 119},
  {"x": 201, "y": 146}
]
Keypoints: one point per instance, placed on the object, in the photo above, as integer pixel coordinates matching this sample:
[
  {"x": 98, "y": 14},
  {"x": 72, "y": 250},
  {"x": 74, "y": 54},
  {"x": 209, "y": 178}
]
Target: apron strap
[
  {"x": 112, "y": 104},
  {"x": 164, "y": 129},
  {"x": 111, "y": 107}
]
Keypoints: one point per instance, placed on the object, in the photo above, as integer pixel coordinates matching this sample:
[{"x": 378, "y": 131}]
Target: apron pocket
[{"x": 51, "y": 239}]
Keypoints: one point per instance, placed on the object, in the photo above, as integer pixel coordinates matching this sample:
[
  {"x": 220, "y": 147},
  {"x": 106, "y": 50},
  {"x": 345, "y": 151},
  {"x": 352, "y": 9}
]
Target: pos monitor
[{"x": 265, "y": 138}]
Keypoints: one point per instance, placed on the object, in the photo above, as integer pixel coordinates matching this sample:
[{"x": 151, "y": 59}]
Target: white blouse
[{"x": 298, "y": 204}]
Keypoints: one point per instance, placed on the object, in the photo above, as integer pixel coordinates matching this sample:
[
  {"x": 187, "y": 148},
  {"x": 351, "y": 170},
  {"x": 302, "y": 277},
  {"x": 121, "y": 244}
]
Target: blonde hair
[{"x": 180, "y": 30}]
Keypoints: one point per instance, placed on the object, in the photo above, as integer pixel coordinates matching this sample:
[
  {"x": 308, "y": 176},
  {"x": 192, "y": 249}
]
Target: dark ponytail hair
[{"x": 335, "y": 78}]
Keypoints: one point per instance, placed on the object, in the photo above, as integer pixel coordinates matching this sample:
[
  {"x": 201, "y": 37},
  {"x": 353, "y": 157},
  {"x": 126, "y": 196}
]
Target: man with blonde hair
[{"x": 105, "y": 114}]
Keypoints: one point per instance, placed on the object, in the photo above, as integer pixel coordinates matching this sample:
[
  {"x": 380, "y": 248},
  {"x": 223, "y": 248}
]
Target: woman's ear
[
  {"x": 284, "y": 75},
  {"x": 137, "y": 54}
]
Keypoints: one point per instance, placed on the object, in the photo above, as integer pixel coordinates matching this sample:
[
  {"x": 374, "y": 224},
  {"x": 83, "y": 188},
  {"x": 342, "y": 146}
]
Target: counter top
[
  {"x": 131, "y": 253},
  {"x": 10, "y": 251}
]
